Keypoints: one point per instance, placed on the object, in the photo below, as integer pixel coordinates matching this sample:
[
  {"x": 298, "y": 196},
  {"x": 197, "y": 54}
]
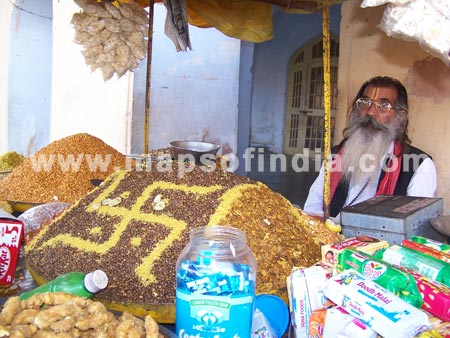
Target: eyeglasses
[{"x": 364, "y": 104}]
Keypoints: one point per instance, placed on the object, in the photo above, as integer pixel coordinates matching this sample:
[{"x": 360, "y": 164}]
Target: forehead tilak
[{"x": 372, "y": 92}]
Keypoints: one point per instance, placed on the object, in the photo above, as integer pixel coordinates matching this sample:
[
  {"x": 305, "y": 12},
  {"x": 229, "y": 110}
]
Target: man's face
[
  {"x": 373, "y": 125},
  {"x": 380, "y": 95},
  {"x": 375, "y": 113}
]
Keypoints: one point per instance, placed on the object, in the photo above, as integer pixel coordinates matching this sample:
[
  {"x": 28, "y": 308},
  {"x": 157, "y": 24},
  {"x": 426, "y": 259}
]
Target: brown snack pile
[
  {"x": 135, "y": 224},
  {"x": 64, "y": 315},
  {"x": 46, "y": 176}
]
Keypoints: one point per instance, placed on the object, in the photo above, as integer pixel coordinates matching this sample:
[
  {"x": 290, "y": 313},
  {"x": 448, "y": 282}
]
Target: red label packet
[{"x": 11, "y": 235}]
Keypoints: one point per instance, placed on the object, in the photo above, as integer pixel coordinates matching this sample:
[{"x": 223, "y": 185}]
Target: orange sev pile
[{"x": 62, "y": 171}]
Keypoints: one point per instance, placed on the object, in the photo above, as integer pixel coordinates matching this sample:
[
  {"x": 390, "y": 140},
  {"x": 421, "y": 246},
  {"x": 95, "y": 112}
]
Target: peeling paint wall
[{"x": 366, "y": 51}]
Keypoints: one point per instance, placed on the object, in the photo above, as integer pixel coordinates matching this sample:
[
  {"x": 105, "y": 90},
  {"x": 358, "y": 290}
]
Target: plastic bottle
[
  {"x": 76, "y": 283},
  {"x": 216, "y": 277}
]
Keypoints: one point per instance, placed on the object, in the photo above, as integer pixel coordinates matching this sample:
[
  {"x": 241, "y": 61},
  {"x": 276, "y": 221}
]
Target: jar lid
[{"x": 275, "y": 310}]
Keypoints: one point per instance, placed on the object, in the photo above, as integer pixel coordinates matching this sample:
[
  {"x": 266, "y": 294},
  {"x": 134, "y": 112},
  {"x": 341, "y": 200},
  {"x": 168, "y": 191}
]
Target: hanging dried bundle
[{"x": 114, "y": 39}]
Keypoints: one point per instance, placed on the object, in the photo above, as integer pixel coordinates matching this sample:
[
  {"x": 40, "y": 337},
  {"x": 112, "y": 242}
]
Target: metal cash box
[{"x": 392, "y": 218}]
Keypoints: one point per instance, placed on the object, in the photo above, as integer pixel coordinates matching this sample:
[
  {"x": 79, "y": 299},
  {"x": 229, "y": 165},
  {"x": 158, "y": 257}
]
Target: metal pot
[{"x": 193, "y": 150}]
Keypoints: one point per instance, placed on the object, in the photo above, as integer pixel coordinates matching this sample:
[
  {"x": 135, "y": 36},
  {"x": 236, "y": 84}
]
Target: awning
[{"x": 243, "y": 19}]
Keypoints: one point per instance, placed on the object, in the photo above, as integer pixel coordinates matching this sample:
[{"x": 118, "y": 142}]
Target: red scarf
[{"x": 387, "y": 184}]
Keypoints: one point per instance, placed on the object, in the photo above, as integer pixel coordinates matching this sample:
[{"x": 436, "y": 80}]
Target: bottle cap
[
  {"x": 276, "y": 312},
  {"x": 95, "y": 281}
]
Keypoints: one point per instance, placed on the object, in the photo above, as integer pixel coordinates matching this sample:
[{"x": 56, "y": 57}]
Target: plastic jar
[{"x": 216, "y": 283}]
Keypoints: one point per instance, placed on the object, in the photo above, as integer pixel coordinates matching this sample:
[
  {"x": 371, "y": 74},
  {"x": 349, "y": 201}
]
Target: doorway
[{"x": 304, "y": 121}]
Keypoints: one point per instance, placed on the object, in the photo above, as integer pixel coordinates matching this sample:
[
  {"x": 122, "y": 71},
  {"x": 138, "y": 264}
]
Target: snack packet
[
  {"x": 384, "y": 312},
  {"x": 365, "y": 244},
  {"x": 11, "y": 236},
  {"x": 439, "y": 246},
  {"x": 436, "y": 296},
  {"x": 427, "y": 266},
  {"x": 396, "y": 281},
  {"x": 340, "y": 323},
  {"x": 305, "y": 295},
  {"x": 427, "y": 250}
]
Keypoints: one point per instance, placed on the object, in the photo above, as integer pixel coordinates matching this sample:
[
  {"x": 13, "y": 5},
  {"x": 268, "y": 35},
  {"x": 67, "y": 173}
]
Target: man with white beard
[{"x": 375, "y": 156}]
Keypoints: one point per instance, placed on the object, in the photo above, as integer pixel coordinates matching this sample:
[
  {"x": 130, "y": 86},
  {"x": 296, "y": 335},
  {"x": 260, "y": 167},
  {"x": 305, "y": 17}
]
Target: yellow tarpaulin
[
  {"x": 243, "y": 19},
  {"x": 232, "y": 19}
]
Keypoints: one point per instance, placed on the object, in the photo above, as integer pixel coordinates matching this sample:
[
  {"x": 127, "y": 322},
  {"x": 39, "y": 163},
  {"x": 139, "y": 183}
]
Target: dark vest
[{"x": 409, "y": 166}]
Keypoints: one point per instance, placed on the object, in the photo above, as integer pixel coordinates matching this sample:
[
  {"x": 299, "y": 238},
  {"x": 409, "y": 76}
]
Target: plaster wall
[
  {"x": 194, "y": 94},
  {"x": 366, "y": 51},
  {"x": 82, "y": 102}
]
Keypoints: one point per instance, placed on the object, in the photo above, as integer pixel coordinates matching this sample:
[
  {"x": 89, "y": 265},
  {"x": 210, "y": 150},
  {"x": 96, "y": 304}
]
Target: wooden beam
[{"x": 148, "y": 78}]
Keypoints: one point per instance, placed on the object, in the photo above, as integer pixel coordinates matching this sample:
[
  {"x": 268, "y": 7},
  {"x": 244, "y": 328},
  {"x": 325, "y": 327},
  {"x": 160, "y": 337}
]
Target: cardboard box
[
  {"x": 11, "y": 236},
  {"x": 392, "y": 218}
]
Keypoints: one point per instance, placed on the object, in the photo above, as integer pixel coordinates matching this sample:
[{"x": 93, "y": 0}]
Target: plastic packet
[
  {"x": 373, "y": 3},
  {"x": 305, "y": 294},
  {"x": 384, "y": 312},
  {"x": 426, "y": 250},
  {"x": 340, "y": 323},
  {"x": 436, "y": 296},
  {"x": 427, "y": 266},
  {"x": 439, "y": 246},
  {"x": 424, "y": 21},
  {"x": 34, "y": 217},
  {"x": 261, "y": 327},
  {"x": 396, "y": 281}
]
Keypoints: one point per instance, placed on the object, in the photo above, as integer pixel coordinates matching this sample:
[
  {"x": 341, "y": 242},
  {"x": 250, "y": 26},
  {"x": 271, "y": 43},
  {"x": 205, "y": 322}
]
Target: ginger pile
[{"x": 60, "y": 314}]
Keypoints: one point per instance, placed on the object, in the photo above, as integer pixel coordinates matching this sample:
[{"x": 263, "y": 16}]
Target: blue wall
[
  {"x": 270, "y": 69},
  {"x": 30, "y": 76}
]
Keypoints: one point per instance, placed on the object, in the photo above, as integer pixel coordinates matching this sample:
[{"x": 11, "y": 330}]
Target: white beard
[{"x": 365, "y": 150}]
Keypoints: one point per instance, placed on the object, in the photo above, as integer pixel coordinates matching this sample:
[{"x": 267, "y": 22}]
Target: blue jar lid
[{"x": 275, "y": 310}]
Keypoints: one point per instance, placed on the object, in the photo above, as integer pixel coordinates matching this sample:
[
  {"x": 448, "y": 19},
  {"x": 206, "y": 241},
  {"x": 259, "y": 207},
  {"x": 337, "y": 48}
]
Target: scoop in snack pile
[{"x": 135, "y": 224}]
